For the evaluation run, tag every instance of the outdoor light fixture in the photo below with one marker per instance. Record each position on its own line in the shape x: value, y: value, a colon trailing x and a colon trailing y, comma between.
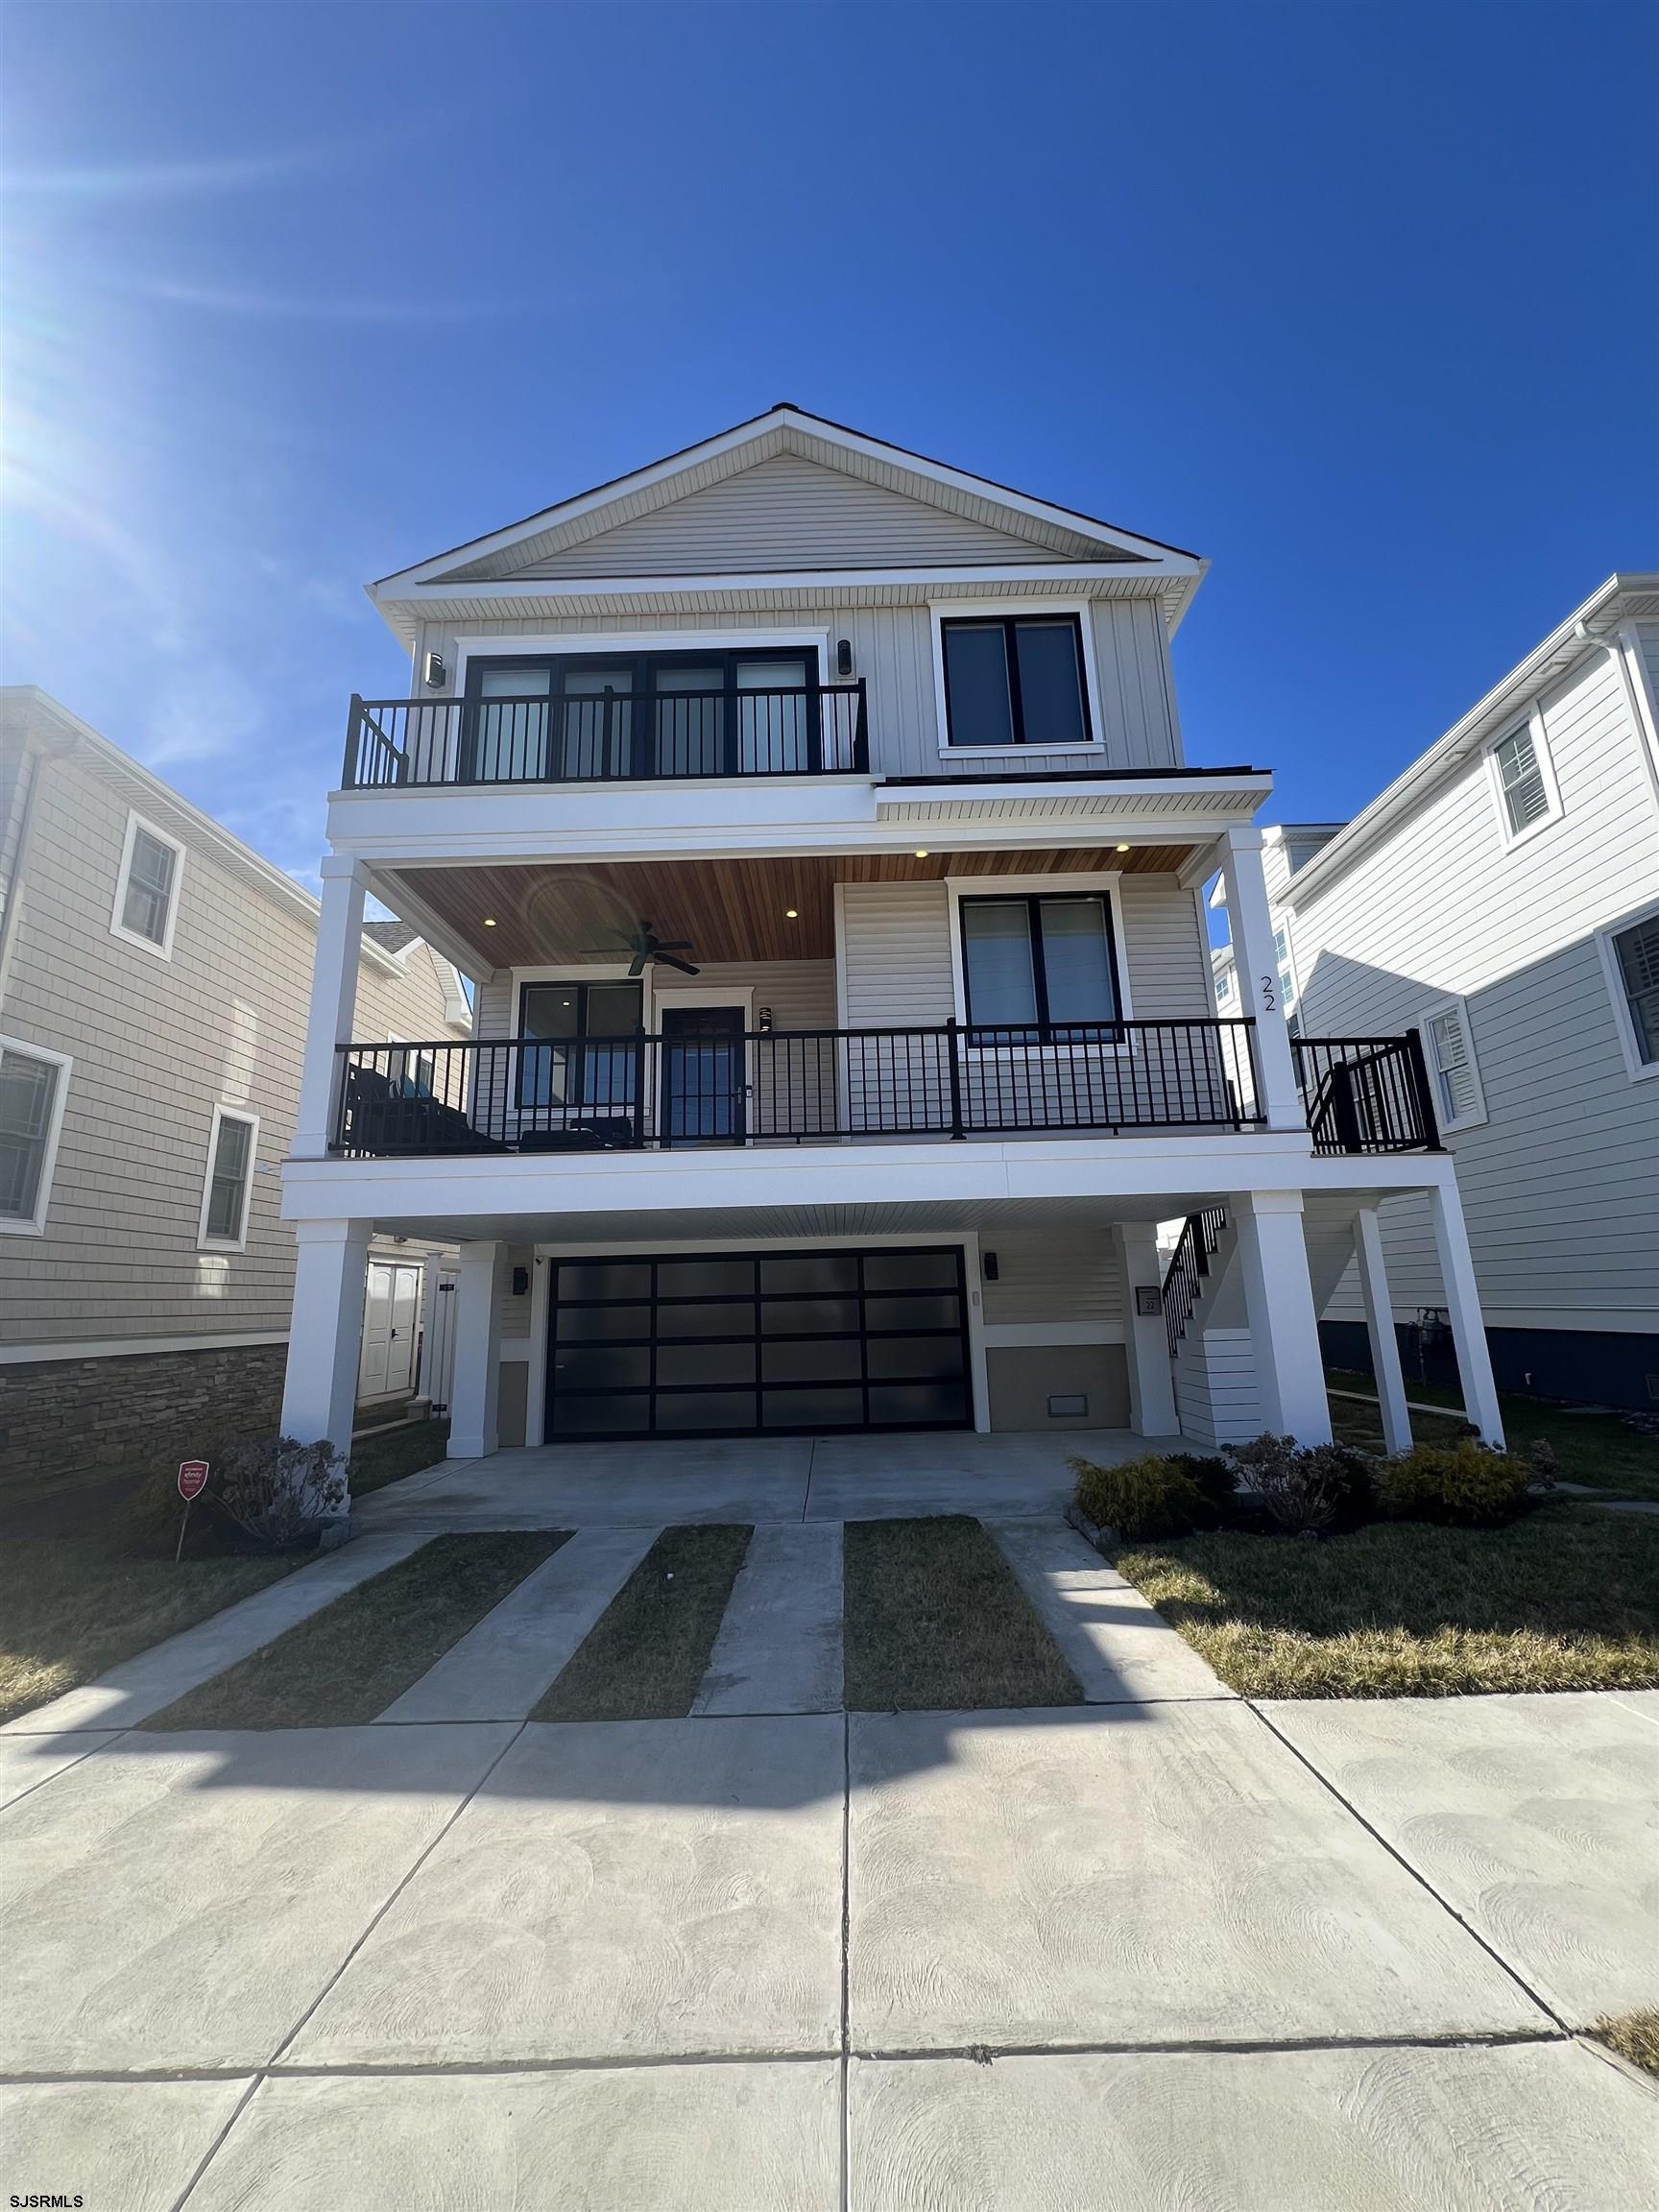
x: 791, y: 913
x: 920, y: 852
x: 763, y: 1019
x: 844, y: 656
x: 435, y: 673
x: 489, y: 920
x: 988, y: 1265
x: 1122, y: 848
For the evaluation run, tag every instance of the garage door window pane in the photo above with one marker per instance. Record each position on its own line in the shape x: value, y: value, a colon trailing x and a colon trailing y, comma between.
x: 678, y: 1410
x: 920, y: 1401
x: 809, y: 1316
x: 910, y: 1272
x: 606, y: 1279
x: 830, y: 1273
x: 578, y: 1417
x: 914, y: 1358
x: 736, y: 1319
x: 705, y: 1363
x: 704, y: 1278
x: 828, y: 1359
x: 811, y: 1409
x: 916, y: 1312
x: 601, y: 1324
x: 602, y: 1367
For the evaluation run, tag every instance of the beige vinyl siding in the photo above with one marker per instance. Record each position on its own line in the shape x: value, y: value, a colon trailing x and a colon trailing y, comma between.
x: 801, y: 993
x: 893, y: 652
x: 156, y: 1044
x: 782, y: 514
x: 1558, y: 1185
x: 896, y: 956
x: 1164, y: 952
x: 1067, y: 1275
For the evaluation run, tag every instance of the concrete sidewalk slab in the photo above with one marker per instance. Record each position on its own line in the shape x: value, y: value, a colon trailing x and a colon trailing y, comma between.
x: 27, y: 1760
x: 131, y: 2144
x: 1118, y: 1645
x: 621, y: 1889
x: 690, y: 2138
x: 1133, y: 1874
x: 779, y: 1649
x: 180, y: 1901
x: 1399, y: 2130
x: 140, y: 1687
x: 1535, y: 1817
x: 500, y: 1667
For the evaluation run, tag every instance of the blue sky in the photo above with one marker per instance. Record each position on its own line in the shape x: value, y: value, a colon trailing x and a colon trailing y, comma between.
x: 1358, y: 300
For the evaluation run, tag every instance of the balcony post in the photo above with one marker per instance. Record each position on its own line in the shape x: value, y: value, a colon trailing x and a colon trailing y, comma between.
x: 1279, y: 1306
x: 1250, y: 927
x: 474, y: 1392
x: 326, y: 1334
x: 952, y: 1038
x: 334, y: 1003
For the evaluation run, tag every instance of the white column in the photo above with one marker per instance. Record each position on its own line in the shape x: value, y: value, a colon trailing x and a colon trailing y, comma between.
x: 476, y: 1387
x: 1145, y: 1339
x: 1463, y: 1306
x: 333, y: 1002
x: 1250, y: 927
x: 1279, y: 1305
x: 1379, y: 1328
x: 326, y: 1336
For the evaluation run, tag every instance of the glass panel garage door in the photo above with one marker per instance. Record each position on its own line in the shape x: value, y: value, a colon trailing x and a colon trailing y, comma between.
x: 729, y: 1344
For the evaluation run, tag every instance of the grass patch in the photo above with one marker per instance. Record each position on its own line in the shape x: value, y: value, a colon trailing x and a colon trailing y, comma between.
x: 1635, y: 2037
x: 1598, y: 1448
x: 1567, y: 1598
x: 71, y: 1607
x: 935, y: 1620
x: 645, y: 1657
x: 350, y: 1659
x: 376, y: 1460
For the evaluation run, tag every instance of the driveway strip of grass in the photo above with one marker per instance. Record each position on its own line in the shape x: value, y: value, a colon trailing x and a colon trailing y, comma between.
x: 348, y: 1661
x: 935, y: 1620
x: 645, y: 1657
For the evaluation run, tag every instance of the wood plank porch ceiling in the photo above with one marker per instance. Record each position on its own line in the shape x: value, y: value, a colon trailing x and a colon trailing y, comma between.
x: 732, y: 910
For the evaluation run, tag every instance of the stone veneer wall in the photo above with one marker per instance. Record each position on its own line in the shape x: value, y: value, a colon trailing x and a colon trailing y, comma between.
x: 63, y: 1420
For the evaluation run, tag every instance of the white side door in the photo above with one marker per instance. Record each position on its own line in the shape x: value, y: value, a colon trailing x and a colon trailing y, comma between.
x: 405, y: 1325
x: 376, y: 1331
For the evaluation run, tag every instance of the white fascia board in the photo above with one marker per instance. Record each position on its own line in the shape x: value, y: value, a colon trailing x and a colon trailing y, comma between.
x: 827, y: 582
x: 1249, y: 789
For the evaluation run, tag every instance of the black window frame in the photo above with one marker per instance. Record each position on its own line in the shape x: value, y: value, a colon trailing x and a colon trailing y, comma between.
x: 577, y: 1102
x: 1009, y: 625
x: 642, y: 697
x: 1044, y: 1031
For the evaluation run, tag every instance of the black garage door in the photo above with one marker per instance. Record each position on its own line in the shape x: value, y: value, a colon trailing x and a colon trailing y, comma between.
x: 729, y: 1344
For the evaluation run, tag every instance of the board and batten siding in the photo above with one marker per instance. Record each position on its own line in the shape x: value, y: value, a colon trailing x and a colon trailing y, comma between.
x: 893, y: 652
x: 1558, y: 1185
x: 156, y: 1044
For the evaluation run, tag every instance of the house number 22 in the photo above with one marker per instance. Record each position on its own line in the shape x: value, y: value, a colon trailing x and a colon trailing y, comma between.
x: 1269, y: 997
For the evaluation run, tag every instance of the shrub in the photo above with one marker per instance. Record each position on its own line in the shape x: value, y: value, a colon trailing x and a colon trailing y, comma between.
x: 1464, y: 1484
x: 1215, y: 1481
x: 1545, y: 1462
x: 1306, y: 1487
x: 1140, y: 1498
x: 276, y: 1489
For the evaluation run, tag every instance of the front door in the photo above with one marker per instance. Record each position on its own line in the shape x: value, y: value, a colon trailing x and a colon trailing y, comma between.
x: 703, y: 1075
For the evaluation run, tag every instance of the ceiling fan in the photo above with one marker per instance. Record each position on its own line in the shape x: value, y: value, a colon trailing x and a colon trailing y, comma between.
x: 643, y: 945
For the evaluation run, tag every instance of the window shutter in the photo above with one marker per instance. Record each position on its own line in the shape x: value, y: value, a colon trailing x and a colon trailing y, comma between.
x: 1453, y: 1066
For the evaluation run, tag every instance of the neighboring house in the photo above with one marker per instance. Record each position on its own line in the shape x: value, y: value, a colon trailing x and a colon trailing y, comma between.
x: 816, y: 819
x: 154, y: 976
x: 1501, y: 898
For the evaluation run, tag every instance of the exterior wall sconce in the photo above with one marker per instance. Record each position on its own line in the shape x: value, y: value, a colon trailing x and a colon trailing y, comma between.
x: 987, y: 1267
x: 434, y: 673
x: 763, y: 1019
x: 521, y: 1282
x: 843, y: 657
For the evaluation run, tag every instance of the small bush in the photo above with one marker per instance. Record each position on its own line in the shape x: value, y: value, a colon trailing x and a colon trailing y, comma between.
x: 1215, y: 1481
x: 276, y: 1489
x: 1140, y: 1498
x: 1306, y: 1487
x: 1464, y: 1484
x: 1545, y: 1462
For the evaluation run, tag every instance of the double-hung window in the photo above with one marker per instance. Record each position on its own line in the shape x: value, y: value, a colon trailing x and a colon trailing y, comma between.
x: 1632, y: 954
x: 32, y: 1089
x: 146, y: 889
x: 577, y: 1047
x: 1015, y: 680
x: 1457, y: 1094
x: 230, y: 1154
x: 1524, y: 787
x: 1038, y: 969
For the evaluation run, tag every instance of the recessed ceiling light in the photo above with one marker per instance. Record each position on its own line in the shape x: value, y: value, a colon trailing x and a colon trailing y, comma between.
x: 1122, y: 848
x: 791, y: 913
x: 920, y: 852
x: 489, y: 920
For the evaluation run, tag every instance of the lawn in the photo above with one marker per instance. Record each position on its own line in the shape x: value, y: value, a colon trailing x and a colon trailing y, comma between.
x: 1565, y: 1599
x: 1596, y: 1449
x: 73, y: 1606
x: 346, y: 1663
x: 935, y: 1620
x: 645, y: 1657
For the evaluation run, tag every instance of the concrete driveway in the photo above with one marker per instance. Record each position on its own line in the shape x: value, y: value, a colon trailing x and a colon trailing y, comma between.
x: 1164, y: 1949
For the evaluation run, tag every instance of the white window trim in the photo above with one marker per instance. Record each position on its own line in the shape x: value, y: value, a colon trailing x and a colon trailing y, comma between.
x: 35, y: 1225
x: 1640, y: 1071
x: 1479, y: 1116
x: 1107, y: 886
x: 1533, y: 722
x: 239, y: 1242
x: 943, y: 611
x: 118, y: 928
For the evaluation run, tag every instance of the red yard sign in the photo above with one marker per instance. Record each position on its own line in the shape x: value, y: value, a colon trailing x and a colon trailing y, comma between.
x: 192, y: 1479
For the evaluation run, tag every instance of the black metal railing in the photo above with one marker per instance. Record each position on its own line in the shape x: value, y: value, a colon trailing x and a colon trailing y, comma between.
x: 715, y: 1085
x: 1366, y: 1093
x: 608, y: 736
x: 1189, y: 1265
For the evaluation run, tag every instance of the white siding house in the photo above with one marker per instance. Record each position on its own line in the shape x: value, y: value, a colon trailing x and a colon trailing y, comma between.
x: 818, y: 823
x: 1502, y: 898
x: 155, y: 974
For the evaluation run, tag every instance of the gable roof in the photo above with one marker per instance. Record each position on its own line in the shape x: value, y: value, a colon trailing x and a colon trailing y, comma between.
x: 915, y: 512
